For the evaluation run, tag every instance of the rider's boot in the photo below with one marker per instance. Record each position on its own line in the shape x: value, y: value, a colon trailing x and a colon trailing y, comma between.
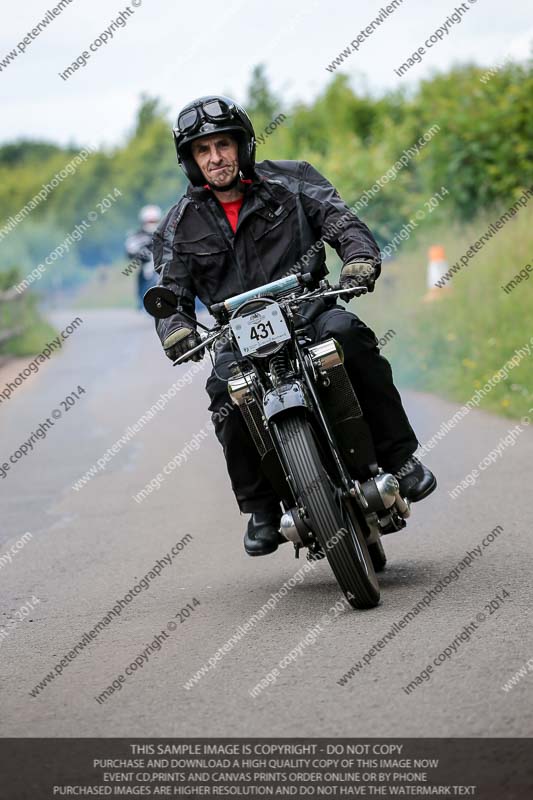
x: 262, y: 535
x: 416, y: 480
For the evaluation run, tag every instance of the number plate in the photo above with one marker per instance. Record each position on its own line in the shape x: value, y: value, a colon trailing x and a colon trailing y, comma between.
x: 253, y: 331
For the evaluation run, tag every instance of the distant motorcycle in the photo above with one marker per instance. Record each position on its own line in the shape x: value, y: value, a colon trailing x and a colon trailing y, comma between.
x: 306, y: 422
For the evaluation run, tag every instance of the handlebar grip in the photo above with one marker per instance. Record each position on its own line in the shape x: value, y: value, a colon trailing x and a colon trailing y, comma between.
x: 186, y: 356
x: 306, y: 278
x: 200, y: 347
x: 217, y: 310
x: 314, y: 308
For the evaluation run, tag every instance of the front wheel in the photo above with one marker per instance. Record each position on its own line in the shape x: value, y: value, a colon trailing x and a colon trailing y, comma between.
x: 377, y: 554
x: 331, y: 519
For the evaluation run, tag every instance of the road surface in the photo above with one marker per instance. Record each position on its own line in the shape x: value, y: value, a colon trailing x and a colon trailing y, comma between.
x: 90, y: 547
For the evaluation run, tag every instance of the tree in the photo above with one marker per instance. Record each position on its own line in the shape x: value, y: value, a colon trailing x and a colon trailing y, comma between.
x: 261, y: 103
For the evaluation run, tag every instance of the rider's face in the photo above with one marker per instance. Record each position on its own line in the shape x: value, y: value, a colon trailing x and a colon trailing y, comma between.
x: 217, y: 157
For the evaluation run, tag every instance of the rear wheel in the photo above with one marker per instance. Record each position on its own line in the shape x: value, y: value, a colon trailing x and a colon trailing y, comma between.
x: 331, y: 519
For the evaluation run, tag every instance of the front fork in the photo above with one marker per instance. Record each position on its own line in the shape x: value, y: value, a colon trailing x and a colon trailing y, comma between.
x: 300, y: 393
x: 377, y: 501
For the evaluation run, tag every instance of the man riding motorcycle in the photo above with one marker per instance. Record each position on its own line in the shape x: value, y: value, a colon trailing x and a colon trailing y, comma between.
x: 241, y: 225
x: 138, y: 247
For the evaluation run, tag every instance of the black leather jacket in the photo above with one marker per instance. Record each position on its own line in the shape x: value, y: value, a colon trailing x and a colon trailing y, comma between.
x: 288, y: 208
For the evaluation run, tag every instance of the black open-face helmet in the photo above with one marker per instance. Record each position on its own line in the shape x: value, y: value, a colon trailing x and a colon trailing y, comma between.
x: 213, y: 114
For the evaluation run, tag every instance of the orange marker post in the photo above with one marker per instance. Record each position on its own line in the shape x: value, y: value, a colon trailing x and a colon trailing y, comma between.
x: 436, y: 269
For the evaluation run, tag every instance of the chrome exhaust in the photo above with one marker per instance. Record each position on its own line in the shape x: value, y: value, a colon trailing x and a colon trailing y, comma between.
x: 388, y: 488
x: 382, y: 493
x: 403, y: 506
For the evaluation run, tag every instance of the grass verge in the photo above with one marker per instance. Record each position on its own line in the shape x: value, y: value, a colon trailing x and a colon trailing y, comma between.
x: 453, y: 345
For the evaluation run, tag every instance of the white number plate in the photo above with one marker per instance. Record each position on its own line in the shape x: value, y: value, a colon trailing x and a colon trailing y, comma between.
x: 260, y: 328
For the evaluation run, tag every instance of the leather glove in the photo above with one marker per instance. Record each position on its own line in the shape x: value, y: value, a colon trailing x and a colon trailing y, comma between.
x: 179, y: 341
x: 358, y: 273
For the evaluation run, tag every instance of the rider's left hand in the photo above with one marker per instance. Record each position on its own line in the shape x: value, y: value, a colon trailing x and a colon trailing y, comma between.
x: 358, y: 273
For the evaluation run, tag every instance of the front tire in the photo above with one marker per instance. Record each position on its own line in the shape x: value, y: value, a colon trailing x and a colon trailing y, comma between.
x: 377, y: 554
x: 328, y: 514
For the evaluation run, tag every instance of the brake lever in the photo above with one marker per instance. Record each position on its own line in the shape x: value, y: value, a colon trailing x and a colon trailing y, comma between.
x: 202, y: 346
x: 192, y: 319
x: 355, y: 291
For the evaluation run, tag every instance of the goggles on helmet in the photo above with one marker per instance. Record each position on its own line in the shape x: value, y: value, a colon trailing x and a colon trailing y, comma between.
x: 212, y: 110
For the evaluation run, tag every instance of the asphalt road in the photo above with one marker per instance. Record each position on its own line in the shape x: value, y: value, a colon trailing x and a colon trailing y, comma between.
x: 90, y: 547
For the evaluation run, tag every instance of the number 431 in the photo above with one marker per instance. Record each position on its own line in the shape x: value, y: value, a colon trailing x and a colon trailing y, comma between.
x: 260, y: 331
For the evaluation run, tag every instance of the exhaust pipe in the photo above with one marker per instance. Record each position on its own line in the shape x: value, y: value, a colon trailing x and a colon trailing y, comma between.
x: 382, y: 493
x: 404, y: 509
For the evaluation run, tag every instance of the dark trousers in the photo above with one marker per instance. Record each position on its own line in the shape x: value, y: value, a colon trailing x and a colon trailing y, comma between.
x: 371, y: 376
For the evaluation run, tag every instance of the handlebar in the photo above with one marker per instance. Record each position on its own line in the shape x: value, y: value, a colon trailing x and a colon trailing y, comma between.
x: 282, y: 285
x: 275, y: 287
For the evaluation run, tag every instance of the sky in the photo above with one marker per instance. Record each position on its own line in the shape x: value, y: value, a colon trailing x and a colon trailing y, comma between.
x: 178, y: 50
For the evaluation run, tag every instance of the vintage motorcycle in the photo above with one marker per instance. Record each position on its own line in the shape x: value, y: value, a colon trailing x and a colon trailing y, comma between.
x: 306, y: 422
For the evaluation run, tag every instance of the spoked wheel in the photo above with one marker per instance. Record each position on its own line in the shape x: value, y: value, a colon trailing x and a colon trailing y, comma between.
x: 333, y: 522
